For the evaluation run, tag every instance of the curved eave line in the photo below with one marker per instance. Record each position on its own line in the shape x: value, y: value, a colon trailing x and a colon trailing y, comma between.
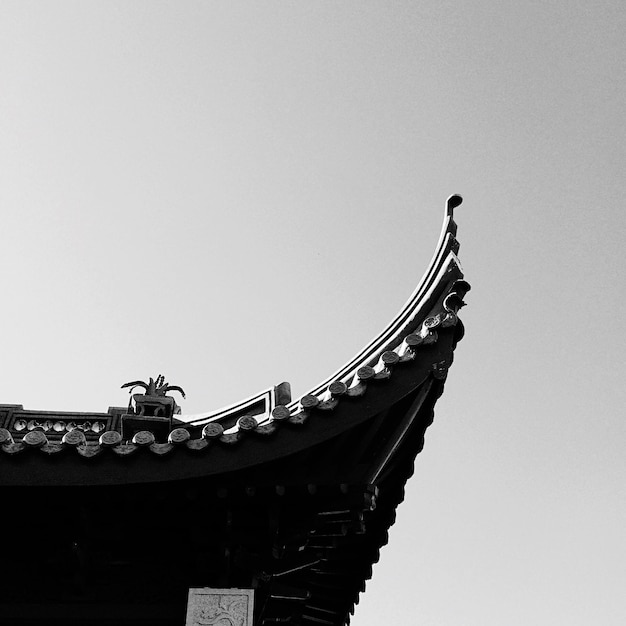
x: 415, y: 309
x: 34, y: 461
x: 422, y: 336
x: 443, y: 260
x: 392, y: 335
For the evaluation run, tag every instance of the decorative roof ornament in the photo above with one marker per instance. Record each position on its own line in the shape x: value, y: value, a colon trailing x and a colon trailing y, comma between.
x: 154, y: 388
x: 153, y: 410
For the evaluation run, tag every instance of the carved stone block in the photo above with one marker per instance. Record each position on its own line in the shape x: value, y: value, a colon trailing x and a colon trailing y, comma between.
x: 220, y: 607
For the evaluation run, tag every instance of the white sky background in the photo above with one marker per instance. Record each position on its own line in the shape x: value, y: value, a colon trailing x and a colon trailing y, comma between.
x: 236, y: 194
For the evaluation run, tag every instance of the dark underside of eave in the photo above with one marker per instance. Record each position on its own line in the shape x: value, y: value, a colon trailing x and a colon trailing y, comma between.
x: 128, y: 554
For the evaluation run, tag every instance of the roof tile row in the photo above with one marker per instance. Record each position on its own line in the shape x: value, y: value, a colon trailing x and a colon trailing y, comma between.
x: 248, y: 425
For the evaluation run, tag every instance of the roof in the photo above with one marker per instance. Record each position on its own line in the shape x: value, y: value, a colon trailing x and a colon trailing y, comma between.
x: 410, y: 349
x: 293, y: 498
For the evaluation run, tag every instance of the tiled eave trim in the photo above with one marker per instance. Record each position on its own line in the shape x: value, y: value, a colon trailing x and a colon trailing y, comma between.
x: 399, y: 344
x: 366, y: 376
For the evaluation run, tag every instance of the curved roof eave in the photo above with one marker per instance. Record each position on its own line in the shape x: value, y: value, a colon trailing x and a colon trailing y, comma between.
x: 416, y: 345
x: 443, y: 260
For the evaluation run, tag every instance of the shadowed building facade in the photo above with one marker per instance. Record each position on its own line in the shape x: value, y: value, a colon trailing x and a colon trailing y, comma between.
x: 271, y: 511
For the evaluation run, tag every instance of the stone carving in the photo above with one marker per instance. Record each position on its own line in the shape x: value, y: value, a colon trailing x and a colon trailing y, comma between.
x: 220, y: 607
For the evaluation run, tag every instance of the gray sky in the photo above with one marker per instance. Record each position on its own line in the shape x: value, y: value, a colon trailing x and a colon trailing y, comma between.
x: 236, y: 194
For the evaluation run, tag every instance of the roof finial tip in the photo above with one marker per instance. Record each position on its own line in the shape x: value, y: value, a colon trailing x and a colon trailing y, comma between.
x: 454, y: 201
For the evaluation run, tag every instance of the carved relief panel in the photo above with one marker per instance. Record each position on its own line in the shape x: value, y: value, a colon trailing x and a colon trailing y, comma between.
x: 220, y: 607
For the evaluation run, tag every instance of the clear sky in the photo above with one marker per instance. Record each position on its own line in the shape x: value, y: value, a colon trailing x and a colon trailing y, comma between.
x: 240, y: 193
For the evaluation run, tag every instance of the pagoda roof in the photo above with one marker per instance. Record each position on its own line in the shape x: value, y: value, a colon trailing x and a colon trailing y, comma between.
x: 50, y: 447
x: 293, y: 498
